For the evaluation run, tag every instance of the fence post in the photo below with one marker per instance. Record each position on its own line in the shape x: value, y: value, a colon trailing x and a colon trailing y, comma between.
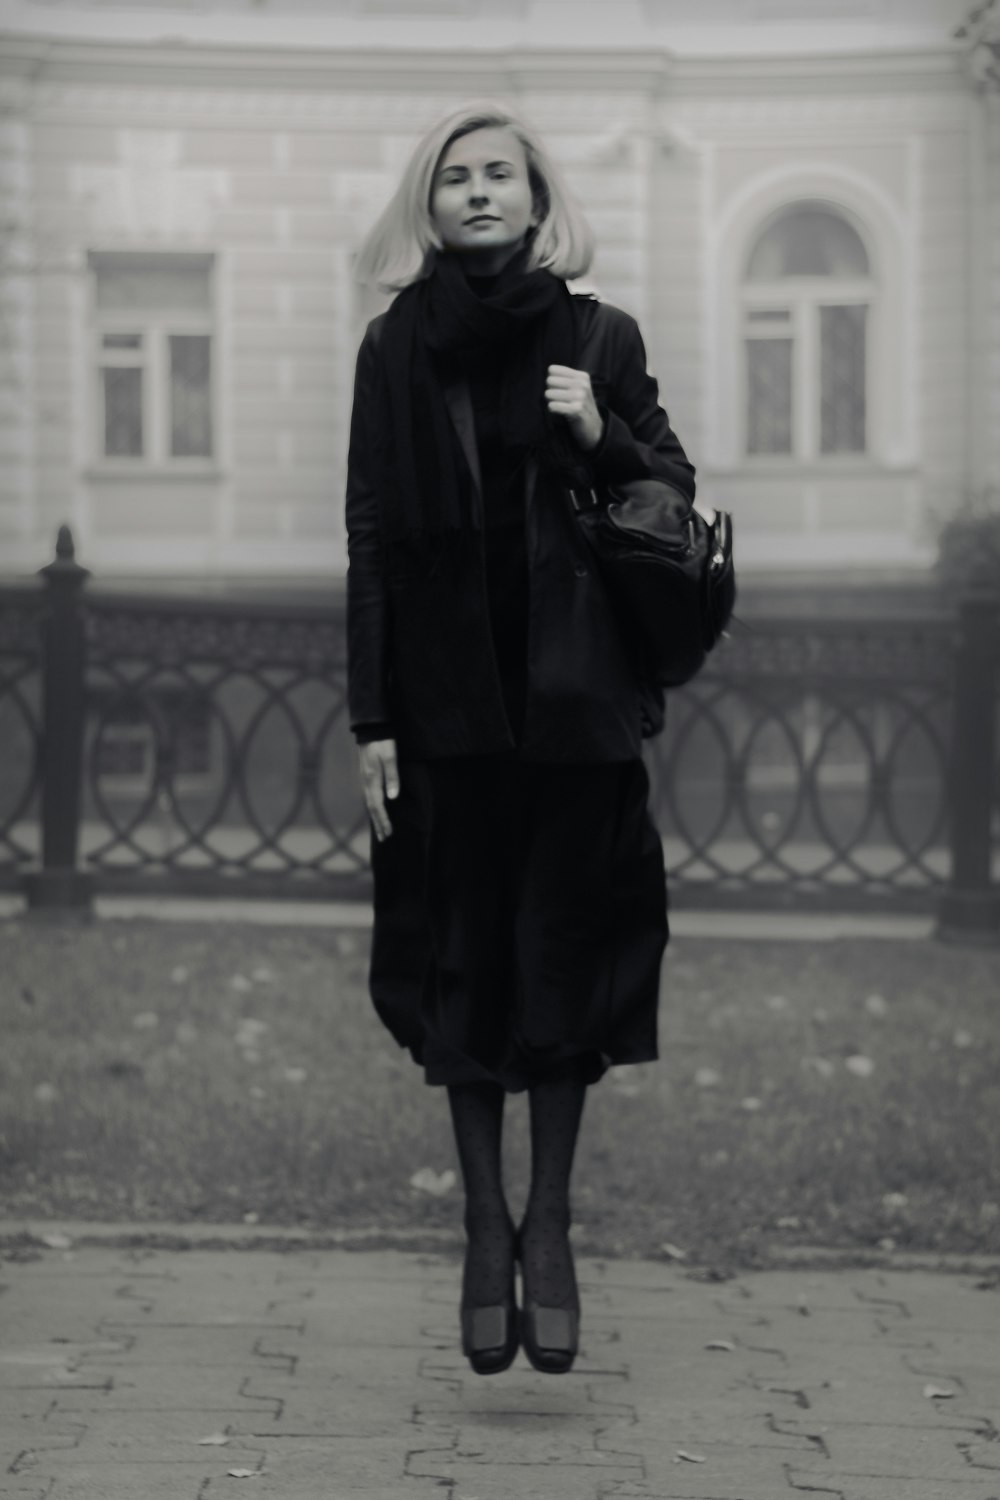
x: 59, y: 883
x: 970, y: 907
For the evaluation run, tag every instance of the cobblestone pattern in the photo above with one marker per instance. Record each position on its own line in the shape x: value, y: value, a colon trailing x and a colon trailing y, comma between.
x: 338, y: 1375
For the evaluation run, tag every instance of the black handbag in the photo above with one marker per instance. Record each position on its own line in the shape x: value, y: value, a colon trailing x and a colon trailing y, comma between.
x: 669, y: 572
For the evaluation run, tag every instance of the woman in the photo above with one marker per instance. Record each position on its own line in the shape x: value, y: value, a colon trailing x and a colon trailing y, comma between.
x: 520, y: 902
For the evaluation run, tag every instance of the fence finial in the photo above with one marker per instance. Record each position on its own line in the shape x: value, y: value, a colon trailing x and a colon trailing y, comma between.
x: 65, y: 548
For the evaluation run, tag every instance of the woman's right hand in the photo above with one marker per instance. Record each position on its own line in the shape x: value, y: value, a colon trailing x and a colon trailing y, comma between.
x: 380, y: 779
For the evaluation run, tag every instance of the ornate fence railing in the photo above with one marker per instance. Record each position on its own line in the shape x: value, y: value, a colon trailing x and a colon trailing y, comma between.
x: 155, y: 744
x: 22, y: 612
x: 810, y: 763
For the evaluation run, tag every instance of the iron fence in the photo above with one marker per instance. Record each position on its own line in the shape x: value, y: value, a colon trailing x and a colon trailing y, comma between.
x: 165, y: 744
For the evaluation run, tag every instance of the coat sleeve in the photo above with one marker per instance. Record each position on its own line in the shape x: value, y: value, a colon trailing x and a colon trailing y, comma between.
x: 638, y: 440
x: 367, y: 599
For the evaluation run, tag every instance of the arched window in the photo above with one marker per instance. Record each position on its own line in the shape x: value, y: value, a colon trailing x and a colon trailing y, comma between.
x: 807, y: 295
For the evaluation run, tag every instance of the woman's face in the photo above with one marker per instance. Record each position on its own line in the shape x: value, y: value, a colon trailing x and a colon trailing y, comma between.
x: 481, y: 199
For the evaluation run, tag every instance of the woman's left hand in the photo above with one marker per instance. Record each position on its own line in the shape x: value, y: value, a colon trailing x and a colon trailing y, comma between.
x: 568, y: 394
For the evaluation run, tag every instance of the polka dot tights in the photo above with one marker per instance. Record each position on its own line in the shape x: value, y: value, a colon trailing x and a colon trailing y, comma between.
x: 555, y: 1107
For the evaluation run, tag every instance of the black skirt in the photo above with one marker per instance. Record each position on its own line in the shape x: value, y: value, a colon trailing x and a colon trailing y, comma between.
x: 520, y: 919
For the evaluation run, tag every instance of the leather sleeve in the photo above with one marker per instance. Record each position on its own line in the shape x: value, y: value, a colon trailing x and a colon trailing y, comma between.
x: 367, y: 599
x: 638, y: 441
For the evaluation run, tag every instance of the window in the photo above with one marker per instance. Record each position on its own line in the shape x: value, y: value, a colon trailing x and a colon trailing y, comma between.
x: 169, y: 724
x: 154, y: 377
x: 807, y: 295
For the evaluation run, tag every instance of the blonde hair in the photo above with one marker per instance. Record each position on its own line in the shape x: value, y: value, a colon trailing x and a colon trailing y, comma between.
x: 402, y: 244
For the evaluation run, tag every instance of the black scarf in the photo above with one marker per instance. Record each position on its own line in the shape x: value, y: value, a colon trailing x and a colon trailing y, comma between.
x: 434, y: 327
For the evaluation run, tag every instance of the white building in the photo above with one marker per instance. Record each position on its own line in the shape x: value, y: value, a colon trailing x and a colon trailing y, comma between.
x: 803, y: 213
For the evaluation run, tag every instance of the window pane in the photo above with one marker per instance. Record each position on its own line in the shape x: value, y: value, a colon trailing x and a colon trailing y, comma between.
x: 122, y: 412
x: 808, y: 240
x: 190, y: 402
x: 188, y: 720
x: 769, y: 386
x: 128, y: 282
x: 842, y: 379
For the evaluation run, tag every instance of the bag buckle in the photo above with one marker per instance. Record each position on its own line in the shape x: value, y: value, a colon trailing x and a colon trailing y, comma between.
x: 592, y: 502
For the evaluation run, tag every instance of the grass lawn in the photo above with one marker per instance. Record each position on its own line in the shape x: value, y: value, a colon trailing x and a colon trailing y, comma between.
x: 838, y: 1094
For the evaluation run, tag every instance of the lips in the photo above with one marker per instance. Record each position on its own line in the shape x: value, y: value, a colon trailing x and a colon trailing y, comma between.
x: 483, y: 219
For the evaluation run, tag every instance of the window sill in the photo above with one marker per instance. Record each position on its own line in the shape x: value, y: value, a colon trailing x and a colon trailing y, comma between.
x: 791, y: 468
x: 155, y: 472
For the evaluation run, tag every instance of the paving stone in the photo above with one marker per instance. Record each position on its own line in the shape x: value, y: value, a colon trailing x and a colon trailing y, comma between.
x: 859, y: 1487
x: 126, y: 1482
x: 877, y: 1451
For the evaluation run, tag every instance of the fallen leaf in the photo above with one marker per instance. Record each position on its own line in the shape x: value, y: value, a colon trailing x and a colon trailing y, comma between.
x: 690, y: 1458
x: 240, y: 983
x: 876, y: 1005
x: 891, y: 1202
x: 146, y: 1020
x: 436, y: 1183
x: 861, y: 1067
x: 242, y: 1473
x: 56, y: 1241
x: 938, y: 1393
x: 262, y: 975
x: 776, y: 1002
x: 186, y: 1032
x: 707, y: 1078
x: 214, y: 1440
x: 821, y: 1065
x: 296, y: 1075
x: 179, y: 974
x: 989, y: 1212
x: 251, y: 1055
x: 46, y: 1093
x: 251, y: 1218
x: 249, y: 1032
x: 963, y: 1038
x: 256, y: 1092
x: 887, y: 1243
x: 789, y: 1221
x: 673, y: 1252
x: 723, y: 1344
x: 751, y: 1104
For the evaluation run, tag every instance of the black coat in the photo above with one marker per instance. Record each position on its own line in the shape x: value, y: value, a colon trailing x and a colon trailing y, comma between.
x: 420, y: 653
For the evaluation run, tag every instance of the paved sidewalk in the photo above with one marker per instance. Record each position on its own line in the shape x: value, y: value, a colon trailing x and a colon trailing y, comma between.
x: 337, y: 1373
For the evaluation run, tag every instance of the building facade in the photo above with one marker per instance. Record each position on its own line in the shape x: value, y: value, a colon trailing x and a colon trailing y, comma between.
x: 803, y: 214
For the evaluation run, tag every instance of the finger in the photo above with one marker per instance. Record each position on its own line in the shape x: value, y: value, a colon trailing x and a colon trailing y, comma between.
x: 560, y: 384
x: 379, y: 817
x: 566, y: 370
x: 390, y: 770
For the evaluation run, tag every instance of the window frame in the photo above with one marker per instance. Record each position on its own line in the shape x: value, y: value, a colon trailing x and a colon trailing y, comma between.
x: 802, y: 297
x: 155, y: 327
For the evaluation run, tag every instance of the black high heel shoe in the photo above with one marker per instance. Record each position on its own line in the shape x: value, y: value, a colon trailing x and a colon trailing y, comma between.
x: 550, y: 1336
x: 491, y: 1335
